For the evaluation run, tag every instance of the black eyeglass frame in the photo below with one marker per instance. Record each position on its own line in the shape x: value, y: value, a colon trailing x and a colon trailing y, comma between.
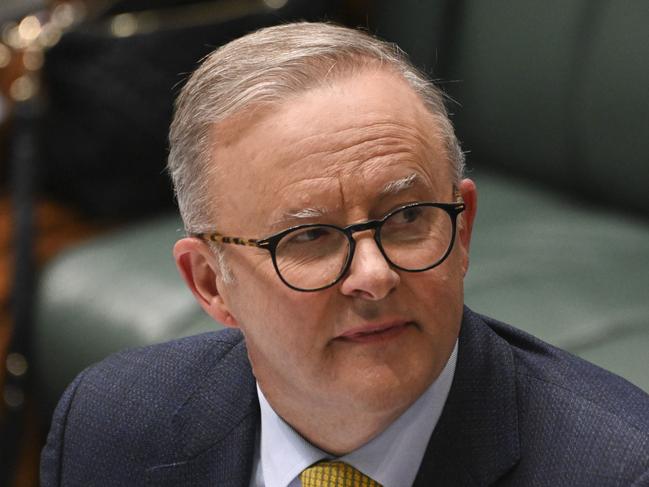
x: 271, y: 242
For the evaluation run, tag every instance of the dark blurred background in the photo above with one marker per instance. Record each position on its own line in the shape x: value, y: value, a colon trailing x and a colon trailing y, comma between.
x: 550, y: 101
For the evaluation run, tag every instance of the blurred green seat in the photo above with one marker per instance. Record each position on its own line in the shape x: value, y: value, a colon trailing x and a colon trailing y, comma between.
x: 573, y: 275
x: 118, y: 291
x: 554, y: 108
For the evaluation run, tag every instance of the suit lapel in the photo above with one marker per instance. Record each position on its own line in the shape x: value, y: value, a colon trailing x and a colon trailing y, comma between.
x: 476, y: 439
x: 214, y: 432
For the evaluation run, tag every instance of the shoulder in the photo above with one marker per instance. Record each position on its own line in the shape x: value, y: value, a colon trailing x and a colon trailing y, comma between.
x: 124, y: 406
x: 165, y: 365
x: 571, y: 411
x: 160, y: 376
x: 543, y: 367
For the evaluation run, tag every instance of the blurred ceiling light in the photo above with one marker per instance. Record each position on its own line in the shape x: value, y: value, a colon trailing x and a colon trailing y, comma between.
x: 11, y: 36
x: 51, y: 35
x: 5, y: 56
x: 13, y: 397
x: 276, y: 4
x: 23, y: 88
x: 66, y: 14
x: 124, y: 25
x: 33, y: 59
x: 29, y: 28
x: 16, y: 364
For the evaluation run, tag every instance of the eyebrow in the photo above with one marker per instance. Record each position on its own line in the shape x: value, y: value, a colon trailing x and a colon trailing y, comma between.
x: 305, y: 213
x: 299, y: 214
x: 399, y: 185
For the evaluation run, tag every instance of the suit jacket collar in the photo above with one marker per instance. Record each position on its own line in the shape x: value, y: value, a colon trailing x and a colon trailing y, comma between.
x: 213, y: 434
x: 476, y: 440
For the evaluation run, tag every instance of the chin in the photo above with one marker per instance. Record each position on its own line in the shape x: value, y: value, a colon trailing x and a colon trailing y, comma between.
x: 387, y: 393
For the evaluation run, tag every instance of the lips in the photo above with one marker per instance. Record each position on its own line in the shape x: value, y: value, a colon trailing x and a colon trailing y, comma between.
x: 374, y: 332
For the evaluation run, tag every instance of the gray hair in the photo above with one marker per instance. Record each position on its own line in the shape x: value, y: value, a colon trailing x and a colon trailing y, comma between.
x: 269, y: 66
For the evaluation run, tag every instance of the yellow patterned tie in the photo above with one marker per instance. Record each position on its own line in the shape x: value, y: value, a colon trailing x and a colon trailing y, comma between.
x: 335, y: 474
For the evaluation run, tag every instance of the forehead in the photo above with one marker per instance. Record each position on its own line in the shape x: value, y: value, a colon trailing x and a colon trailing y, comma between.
x: 333, y: 145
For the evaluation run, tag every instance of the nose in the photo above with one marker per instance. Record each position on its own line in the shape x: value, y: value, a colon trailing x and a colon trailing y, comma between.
x: 369, y: 276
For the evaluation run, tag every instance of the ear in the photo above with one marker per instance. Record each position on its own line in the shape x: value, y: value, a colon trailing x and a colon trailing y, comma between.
x: 469, y: 194
x: 198, y: 267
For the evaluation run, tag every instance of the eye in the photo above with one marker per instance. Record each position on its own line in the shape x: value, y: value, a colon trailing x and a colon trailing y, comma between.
x: 308, y: 235
x: 407, y: 215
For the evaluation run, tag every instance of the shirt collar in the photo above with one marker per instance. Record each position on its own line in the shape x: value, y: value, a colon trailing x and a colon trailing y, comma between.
x: 392, y: 458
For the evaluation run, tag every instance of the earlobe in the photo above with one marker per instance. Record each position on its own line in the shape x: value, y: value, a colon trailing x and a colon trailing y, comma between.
x: 198, y: 267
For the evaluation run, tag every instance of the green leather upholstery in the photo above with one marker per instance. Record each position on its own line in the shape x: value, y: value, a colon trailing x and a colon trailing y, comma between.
x: 556, y: 91
x: 612, y: 115
x: 575, y: 276
x: 118, y: 291
x: 514, y: 63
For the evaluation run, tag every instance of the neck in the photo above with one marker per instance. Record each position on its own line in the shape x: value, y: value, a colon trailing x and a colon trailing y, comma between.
x: 337, y: 429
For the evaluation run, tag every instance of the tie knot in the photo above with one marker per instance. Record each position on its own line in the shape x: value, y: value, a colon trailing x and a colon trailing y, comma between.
x: 335, y: 474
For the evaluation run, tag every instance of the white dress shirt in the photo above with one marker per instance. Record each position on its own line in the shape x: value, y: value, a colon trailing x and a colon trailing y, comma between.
x: 392, y: 458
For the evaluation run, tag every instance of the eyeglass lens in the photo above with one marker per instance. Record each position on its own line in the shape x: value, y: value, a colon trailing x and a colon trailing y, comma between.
x: 414, y: 238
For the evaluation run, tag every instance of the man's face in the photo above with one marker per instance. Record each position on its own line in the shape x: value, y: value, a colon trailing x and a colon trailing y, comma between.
x: 343, y: 153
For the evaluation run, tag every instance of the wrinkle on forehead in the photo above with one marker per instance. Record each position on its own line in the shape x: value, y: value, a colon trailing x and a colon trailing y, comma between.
x: 342, y: 150
x: 336, y: 192
x: 353, y: 133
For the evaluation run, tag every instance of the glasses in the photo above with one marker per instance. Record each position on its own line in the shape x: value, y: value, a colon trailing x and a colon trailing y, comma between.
x: 415, y: 237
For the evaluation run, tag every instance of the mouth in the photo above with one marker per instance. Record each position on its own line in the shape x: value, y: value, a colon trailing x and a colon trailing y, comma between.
x: 375, y: 332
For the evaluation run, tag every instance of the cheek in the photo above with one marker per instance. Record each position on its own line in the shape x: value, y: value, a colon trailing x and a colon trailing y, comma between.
x: 273, y: 316
x: 441, y: 289
x: 286, y: 337
x: 456, y: 263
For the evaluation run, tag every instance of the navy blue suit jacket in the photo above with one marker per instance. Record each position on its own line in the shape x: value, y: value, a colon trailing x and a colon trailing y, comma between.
x: 519, y: 413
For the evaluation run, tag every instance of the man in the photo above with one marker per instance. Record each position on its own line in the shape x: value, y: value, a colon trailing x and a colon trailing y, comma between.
x: 329, y: 225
